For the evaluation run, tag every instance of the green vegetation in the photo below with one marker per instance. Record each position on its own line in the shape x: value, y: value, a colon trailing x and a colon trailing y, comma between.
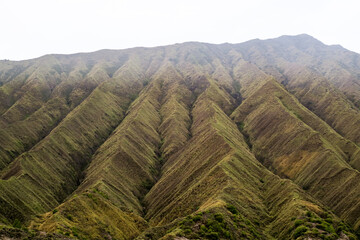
x: 24, y: 233
x: 17, y: 223
x: 232, y: 209
x: 245, y: 141
x: 304, y: 145
x: 208, y: 226
x: 315, y: 226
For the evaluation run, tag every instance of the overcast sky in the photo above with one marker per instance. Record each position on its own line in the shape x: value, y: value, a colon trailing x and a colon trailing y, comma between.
x: 32, y: 28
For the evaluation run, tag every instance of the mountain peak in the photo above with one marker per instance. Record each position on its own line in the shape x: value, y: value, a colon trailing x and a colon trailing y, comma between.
x: 304, y: 40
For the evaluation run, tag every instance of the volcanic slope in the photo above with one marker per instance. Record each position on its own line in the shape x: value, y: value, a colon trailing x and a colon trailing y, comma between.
x: 258, y: 140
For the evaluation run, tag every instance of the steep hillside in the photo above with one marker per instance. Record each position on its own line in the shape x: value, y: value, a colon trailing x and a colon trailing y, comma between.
x: 258, y: 140
x: 284, y: 138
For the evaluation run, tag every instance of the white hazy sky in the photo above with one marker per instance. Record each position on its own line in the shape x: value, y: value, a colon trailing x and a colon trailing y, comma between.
x: 31, y: 28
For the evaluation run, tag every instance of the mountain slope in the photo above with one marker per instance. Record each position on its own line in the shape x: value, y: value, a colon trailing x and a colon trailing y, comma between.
x: 299, y: 152
x: 258, y: 140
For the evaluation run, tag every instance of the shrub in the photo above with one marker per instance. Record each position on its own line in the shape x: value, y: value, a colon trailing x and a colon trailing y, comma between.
x: 299, y: 231
x: 147, y: 185
x: 149, y: 235
x: 146, y: 82
x: 240, y: 125
x: 333, y: 236
x: 321, y: 226
x: 243, y: 234
x: 104, y: 195
x: 203, y: 228
x: 298, y: 222
x: 253, y: 231
x: 75, y: 231
x: 133, y: 97
x: 218, y: 217
x: 308, y: 224
x: 227, y: 234
x: 339, y: 229
x: 351, y: 237
x: 215, y: 226
x: 187, y: 231
x: 315, y: 231
x: 330, y: 229
x: 232, y: 209
x: 212, y: 235
x: 186, y: 223
x: 329, y: 220
x: 17, y: 223
x: 315, y: 220
x: 194, y: 236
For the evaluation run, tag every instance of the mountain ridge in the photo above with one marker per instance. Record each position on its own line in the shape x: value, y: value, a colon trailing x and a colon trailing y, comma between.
x: 188, y: 140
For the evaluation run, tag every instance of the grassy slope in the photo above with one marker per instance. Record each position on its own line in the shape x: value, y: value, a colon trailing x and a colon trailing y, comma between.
x: 338, y: 65
x: 20, y: 136
x: 302, y: 71
x: 325, y: 59
x: 66, y: 82
x: 35, y: 89
x: 13, y: 76
x: 215, y: 172
x: 119, y: 175
x: 126, y: 165
x: 52, y: 168
x: 176, y: 102
x: 320, y: 96
x: 288, y: 139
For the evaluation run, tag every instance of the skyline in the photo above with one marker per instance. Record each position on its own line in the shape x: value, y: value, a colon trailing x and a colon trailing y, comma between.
x: 43, y: 27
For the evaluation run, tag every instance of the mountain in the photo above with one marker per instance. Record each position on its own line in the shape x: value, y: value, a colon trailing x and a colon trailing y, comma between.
x: 257, y: 140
